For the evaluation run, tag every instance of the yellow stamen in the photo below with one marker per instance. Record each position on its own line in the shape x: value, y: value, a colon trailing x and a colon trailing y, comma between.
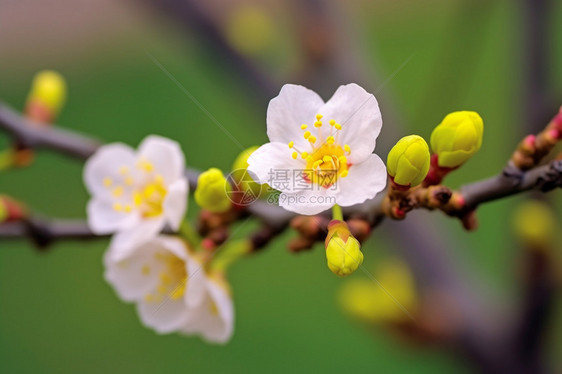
x: 306, y: 134
x: 342, y: 159
x: 304, y: 155
x: 319, y: 117
x: 213, y: 308
x: 145, y: 270
x: 145, y: 166
x: 295, y: 155
x: 318, y: 124
x: 332, y: 122
x: 304, y: 127
x: 123, y: 170
x: 344, y: 174
x: 330, y: 140
x: 337, y: 126
x: 117, y: 191
x: 107, y: 181
x: 316, y: 164
x: 129, y: 181
x: 347, y: 148
x: 291, y: 144
x: 117, y: 207
x: 128, y: 208
x: 312, y: 139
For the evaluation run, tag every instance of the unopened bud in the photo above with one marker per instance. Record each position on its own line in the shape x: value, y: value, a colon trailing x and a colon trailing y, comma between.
x: 242, y: 178
x: 212, y: 191
x: 408, y: 161
x: 343, y: 251
x: 47, y: 94
x: 535, y: 224
x: 362, y: 299
x: 457, y: 138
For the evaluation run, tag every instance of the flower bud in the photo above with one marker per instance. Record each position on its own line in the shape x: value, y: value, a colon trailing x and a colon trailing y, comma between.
x: 362, y: 299
x: 242, y: 178
x: 534, y: 224
x: 408, y: 161
x: 212, y: 191
x: 343, y: 251
x: 457, y: 138
x: 48, y: 92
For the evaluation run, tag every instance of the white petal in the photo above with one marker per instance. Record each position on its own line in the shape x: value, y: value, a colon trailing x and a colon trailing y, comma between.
x: 308, y: 202
x: 165, y: 155
x: 164, y: 317
x: 175, y: 203
x: 272, y: 164
x: 295, y: 105
x: 196, y: 283
x: 359, y: 114
x: 363, y: 182
x: 104, y: 219
x: 124, y: 242
x: 105, y: 163
x: 214, y: 318
x: 134, y: 276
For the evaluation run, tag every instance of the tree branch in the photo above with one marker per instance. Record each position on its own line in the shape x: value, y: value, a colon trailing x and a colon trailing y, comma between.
x: 48, y: 137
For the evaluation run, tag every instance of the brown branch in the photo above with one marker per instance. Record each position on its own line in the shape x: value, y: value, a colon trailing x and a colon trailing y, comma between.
x: 47, y: 137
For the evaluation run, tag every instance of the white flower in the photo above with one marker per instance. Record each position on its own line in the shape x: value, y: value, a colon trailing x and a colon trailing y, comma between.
x: 136, y: 193
x: 172, y: 291
x: 321, y: 154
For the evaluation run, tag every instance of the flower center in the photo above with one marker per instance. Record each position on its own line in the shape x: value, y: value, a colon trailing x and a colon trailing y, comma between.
x: 173, y: 279
x: 327, y: 161
x: 146, y: 197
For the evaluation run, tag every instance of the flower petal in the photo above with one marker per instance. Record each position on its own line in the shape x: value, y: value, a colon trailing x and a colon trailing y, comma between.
x: 175, y: 203
x: 164, y: 317
x: 103, y: 167
x: 165, y: 155
x: 126, y: 241
x: 272, y: 164
x: 363, y: 182
x: 309, y: 202
x: 135, y: 276
x: 359, y: 114
x: 214, y: 318
x: 295, y: 105
x: 104, y: 219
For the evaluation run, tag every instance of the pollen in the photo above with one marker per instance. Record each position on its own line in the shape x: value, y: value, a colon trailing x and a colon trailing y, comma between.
x: 117, y: 191
x: 318, y: 124
x: 145, y: 166
x: 295, y: 155
x: 304, y: 155
x: 332, y: 122
x: 213, y: 308
x: 312, y: 139
x: 337, y: 126
x: 330, y: 140
x: 291, y: 144
x: 306, y: 134
x: 304, y: 127
x: 319, y: 117
x: 347, y: 148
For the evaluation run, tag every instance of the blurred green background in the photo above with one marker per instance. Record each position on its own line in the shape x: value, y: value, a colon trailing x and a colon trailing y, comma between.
x: 57, y: 314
